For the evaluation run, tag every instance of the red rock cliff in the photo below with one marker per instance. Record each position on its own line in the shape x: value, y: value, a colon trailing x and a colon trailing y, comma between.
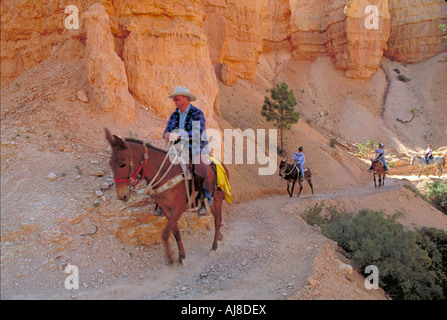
x: 163, y: 44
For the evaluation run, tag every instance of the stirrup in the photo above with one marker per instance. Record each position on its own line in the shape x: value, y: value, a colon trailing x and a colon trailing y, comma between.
x: 202, y: 212
x: 158, y: 212
x: 205, y: 209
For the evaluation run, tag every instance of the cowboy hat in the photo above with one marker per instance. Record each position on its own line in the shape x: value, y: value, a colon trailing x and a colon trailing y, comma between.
x: 181, y: 91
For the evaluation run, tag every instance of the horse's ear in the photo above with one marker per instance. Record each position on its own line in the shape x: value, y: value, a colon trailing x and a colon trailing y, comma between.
x: 114, y: 141
x: 119, y: 142
x: 108, y: 136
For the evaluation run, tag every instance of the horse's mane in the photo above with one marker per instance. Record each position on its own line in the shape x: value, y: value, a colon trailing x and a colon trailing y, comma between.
x: 146, y: 144
x: 287, y: 162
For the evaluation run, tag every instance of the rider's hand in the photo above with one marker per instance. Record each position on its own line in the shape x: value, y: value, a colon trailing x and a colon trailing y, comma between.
x: 166, y: 136
x: 173, y: 136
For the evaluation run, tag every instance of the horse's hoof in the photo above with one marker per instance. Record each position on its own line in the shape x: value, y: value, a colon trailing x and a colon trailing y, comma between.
x: 170, y: 261
x: 175, y: 264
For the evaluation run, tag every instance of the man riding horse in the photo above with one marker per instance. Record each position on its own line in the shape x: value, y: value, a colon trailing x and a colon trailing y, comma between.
x: 380, y: 155
x: 186, y: 122
x: 299, y: 159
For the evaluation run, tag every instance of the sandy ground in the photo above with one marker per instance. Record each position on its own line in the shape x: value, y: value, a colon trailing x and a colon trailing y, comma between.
x: 268, y: 252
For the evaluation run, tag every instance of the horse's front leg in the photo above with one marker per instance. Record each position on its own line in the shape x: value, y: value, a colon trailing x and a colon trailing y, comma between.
x: 217, y: 212
x: 301, y: 188
x: 375, y: 184
x: 293, y: 187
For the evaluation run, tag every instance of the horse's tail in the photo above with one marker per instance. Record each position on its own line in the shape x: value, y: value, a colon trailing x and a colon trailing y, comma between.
x: 443, y: 162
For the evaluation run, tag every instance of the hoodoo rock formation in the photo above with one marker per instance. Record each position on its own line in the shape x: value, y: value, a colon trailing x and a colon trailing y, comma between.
x: 106, y: 71
x: 162, y: 44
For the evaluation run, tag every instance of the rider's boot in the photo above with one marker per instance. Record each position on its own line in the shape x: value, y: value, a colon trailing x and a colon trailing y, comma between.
x: 157, y: 212
x: 202, y: 211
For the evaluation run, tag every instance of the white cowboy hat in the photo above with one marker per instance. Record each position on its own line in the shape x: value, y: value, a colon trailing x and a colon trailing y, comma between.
x: 181, y: 91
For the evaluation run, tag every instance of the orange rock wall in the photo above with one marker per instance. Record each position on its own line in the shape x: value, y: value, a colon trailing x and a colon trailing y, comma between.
x: 164, y: 46
x: 415, y: 34
x: 168, y: 43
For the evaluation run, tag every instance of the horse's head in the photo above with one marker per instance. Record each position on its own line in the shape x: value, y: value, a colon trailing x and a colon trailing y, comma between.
x: 282, y: 168
x: 120, y: 162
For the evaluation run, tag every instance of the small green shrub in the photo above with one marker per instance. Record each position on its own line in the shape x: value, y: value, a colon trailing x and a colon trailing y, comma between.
x: 412, y: 265
x: 367, y: 147
x: 437, y: 193
x: 434, y: 241
x: 333, y: 142
x: 312, y: 216
x: 403, y: 78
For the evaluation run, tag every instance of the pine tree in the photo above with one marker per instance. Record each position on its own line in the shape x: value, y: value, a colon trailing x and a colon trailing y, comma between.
x: 280, y: 109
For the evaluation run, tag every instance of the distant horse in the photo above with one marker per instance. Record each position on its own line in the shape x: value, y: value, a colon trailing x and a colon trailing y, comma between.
x: 133, y: 161
x: 291, y: 174
x: 438, y: 162
x: 378, y: 168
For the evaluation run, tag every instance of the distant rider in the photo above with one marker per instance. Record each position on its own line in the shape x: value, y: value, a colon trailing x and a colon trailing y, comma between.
x: 428, y: 154
x: 299, y: 159
x: 380, y: 154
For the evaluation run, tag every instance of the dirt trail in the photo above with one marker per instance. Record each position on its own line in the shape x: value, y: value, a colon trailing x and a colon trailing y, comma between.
x: 267, y: 253
x: 265, y: 250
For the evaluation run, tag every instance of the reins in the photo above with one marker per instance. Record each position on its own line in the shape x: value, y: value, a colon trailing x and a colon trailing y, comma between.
x: 172, y: 182
x: 291, y: 170
x: 156, y: 180
x: 151, y: 185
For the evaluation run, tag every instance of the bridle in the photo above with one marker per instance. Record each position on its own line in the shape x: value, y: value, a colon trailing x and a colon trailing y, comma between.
x: 135, y: 179
x: 284, y: 174
x: 139, y: 175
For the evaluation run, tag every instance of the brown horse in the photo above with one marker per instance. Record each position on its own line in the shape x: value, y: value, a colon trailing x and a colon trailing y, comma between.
x: 379, y: 169
x: 132, y: 161
x: 291, y: 174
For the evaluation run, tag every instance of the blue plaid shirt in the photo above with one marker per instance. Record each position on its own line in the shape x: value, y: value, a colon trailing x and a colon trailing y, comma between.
x: 195, y: 126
